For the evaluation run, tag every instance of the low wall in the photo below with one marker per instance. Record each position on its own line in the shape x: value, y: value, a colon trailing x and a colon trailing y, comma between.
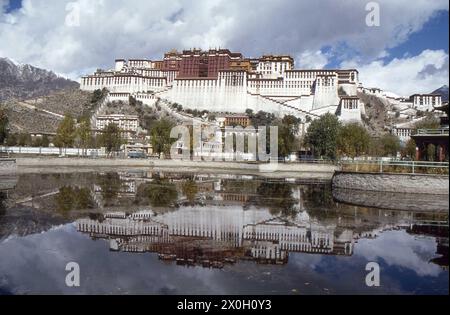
x: 288, y: 170
x: 389, y: 182
x: 7, y: 166
x: 391, y: 200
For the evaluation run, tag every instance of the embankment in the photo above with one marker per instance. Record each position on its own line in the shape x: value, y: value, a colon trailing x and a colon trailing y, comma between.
x: 395, y: 183
x: 281, y: 170
x: 7, y: 166
x: 392, y: 200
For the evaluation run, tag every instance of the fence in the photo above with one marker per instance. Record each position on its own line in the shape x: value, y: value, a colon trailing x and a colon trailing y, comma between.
x: 395, y: 166
x: 52, y: 151
x: 432, y: 132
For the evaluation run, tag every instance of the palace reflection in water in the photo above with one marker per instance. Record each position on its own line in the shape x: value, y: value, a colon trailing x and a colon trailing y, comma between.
x: 209, y: 221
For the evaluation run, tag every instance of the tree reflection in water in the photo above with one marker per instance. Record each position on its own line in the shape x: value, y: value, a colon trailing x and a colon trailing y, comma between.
x: 190, y: 190
x: 73, y: 198
x: 110, y: 185
x: 277, y: 197
x: 2, y: 203
x: 158, y: 193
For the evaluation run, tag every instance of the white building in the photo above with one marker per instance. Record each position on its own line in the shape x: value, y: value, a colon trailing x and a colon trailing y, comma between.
x: 267, y: 237
x: 402, y: 131
x: 426, y: 102
x: 274, y: 86
x: 127, y: 123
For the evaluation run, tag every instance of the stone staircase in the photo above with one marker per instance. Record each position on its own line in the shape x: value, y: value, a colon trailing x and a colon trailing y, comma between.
x: 290, y: 107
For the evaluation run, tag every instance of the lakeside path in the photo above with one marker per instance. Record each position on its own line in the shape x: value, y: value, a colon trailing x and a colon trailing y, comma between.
x: 281, y: 170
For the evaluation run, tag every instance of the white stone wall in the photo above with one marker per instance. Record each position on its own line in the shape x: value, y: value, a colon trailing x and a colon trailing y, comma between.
x: 232, y: 91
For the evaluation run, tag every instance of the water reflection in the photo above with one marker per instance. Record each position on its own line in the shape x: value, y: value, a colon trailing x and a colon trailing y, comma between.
x: 218, y: 221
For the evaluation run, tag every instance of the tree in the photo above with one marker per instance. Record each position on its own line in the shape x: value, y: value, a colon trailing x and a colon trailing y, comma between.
x: 430, y: 122
x: 322, y: 135
x: 160, y: 135
x: 409, y: 150
x: 287, y: 130
x: 3, y: 125
x: 111, y: 138
x: 97, y: 95
x: 65, y: 134
x: 261, y: 118
x: 353, y: 140
x: 84, y: 134
x: 11, y: 140
x: 431, y: 152
x: 45, y: 141
x: 390, y: 144
x: 24, y: 139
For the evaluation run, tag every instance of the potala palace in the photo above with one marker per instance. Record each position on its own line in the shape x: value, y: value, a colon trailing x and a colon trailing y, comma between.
x: 223, y: 81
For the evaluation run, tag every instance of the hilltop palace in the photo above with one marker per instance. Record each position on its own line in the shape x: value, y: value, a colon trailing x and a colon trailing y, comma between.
x: 223, y: 81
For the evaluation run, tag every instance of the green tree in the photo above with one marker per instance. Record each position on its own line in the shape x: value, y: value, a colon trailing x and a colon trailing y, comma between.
x: 3, y: 125
x: 353, y: 140
x: 98, y: 95
x: 429, y: 122
x: 390, y: 145
x: 431, y: 152
x: 287, y: 130
x: 65, y: 134
x: 322, y: 136
x: 84, y: 134
x: 409, y: 150
x: 160, y: 135
x: 159, y: 193
x: 261, y: 118
x: 190, y: 189
x: 24, y: 139
x: 111, y: 138
x: 11, y: 140
x: 45, y: 141
x: 110, y: 185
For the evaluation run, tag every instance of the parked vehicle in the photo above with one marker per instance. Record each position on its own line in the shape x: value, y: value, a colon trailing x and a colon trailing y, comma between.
x: 137, y: 155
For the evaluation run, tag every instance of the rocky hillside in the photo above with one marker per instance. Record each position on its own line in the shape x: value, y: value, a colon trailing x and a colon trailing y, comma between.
x: 25, y: 81
x: 376, y: 118
x: 43, y: 114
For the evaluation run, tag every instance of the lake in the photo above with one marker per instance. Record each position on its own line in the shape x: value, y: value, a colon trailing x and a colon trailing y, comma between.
x: 138, y: 232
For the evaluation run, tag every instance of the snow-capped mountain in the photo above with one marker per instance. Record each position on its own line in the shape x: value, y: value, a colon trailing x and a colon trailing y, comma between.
x: 26, y: 81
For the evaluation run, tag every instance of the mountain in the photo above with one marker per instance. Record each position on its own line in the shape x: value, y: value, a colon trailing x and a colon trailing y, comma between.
x: 26, y: 81
x: 443, y: 90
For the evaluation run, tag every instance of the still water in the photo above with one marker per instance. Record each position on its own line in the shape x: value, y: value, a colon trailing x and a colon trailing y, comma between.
x: 138, y: 232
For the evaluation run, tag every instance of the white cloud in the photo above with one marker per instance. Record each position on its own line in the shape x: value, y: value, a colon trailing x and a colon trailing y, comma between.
x: 403, y: 250
x: 405, y: 76
x: 38, y: 34
x: 311, y: 60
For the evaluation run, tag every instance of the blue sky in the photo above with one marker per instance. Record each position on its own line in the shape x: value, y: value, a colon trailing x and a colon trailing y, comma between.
x: 407, y: 53
x: 433, y: 36
x: 13, y: 5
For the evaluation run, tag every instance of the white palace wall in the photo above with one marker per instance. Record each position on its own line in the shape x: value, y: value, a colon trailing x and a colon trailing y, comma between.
x: 232, y: 91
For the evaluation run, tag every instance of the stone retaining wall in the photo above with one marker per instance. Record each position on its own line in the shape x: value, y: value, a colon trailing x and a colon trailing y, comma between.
x: 388, y: 182
x: 392, y: 200
x: 7, y: 166
x: 288, y: 170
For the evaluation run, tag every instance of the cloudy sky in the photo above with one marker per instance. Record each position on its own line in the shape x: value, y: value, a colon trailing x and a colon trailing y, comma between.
x: 406, y: 53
